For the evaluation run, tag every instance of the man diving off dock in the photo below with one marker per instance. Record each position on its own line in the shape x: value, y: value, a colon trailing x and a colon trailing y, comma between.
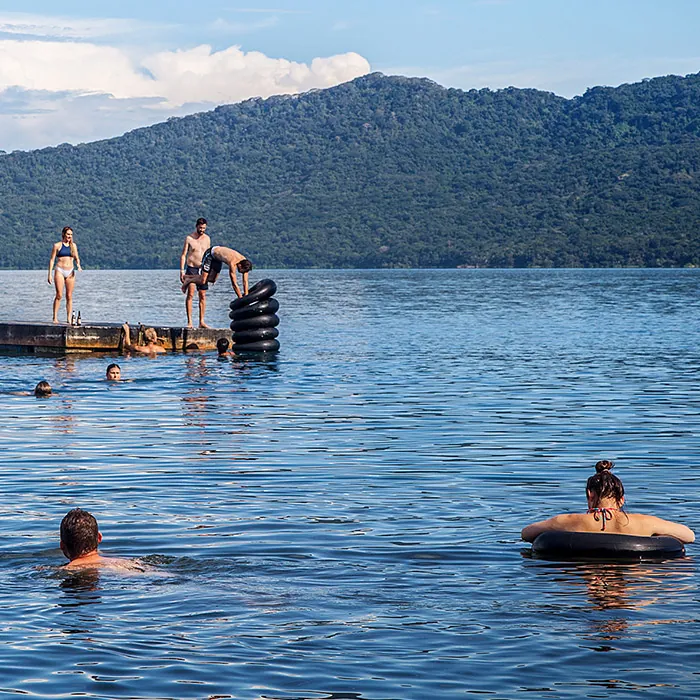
x: 212, y: 262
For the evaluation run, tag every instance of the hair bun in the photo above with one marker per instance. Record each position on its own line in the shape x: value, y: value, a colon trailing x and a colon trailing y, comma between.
x: 604, y: 465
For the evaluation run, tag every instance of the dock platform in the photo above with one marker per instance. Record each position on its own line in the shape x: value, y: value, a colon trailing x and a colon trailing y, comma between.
x: 50, y: 338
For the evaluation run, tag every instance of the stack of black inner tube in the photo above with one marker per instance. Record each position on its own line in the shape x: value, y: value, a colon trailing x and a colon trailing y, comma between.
x: 254, y: 321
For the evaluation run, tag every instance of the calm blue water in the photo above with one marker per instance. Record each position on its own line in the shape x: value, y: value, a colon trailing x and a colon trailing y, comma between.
x: 343, y: 521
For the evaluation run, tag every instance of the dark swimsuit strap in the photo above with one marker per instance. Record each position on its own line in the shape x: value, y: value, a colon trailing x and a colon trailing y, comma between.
x: 602, y: 514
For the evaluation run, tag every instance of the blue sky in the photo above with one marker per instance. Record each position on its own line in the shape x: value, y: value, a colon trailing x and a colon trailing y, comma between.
x: 74, y: 71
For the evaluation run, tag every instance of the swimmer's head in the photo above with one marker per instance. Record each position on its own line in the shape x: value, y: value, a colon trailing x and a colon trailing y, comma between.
x: 114, y: 372
x: 42, y: 389
x: 222, y: 345
x: 79, y: 533
x: 191, y: 347
x: 150, y: 335
x: 244, y: 265
x: 604, y: 485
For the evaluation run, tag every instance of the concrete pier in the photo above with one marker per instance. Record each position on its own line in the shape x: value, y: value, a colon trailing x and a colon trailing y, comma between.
x: 49, y: 338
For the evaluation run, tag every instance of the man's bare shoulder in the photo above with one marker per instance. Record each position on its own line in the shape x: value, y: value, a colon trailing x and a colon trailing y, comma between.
x: 109, y: 563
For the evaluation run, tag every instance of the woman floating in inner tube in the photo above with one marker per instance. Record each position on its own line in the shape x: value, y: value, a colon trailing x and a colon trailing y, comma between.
x: 606, y: 497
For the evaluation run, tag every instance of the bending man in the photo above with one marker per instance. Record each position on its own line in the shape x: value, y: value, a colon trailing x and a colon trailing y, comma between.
x: 212, y: 262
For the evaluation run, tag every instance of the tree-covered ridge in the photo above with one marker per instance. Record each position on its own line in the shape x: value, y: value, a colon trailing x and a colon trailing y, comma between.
x: 382, y: 171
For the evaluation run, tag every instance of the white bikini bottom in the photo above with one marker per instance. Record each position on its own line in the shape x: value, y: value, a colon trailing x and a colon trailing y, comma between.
x: 66, y: 273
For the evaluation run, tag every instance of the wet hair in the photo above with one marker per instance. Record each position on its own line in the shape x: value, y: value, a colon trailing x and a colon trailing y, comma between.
x: 244, y: 265
x: 201, y: 220
x: 604, y: 484
x: 192, y: 346
x: 150, y: 335
x: 42, y: 389
x: 79, y: 533
x: 222, y: 345
x: 114, y: 365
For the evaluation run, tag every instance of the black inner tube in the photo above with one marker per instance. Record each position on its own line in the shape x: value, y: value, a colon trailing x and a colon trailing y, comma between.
x: 261, y: 290
x: 264, y: 306
x: 263, y: 321
x: 270, y: 345
x: 254, y: 334
x: 563, y: 545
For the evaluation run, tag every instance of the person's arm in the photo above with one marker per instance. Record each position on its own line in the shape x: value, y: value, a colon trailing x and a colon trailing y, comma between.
x: 245, y: 283
x: 558, y: 522
x: 234, y: 281
x: 127, y: 336
x: 54, y: 250
x: 183, y: 259
x: 128, y: 346
x: 77, y: 257
x: 671, y: 529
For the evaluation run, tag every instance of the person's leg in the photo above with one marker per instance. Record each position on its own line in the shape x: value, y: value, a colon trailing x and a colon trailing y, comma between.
x: 59, y: 283
x: 70, y: 283
x: 188, y: 303
x: 202, y: 307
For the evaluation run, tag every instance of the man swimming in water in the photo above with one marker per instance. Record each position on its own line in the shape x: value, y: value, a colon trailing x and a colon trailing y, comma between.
x: 80, y: 539
x: 196, y: 244
x: 150, y: 336
x: 212, y: 262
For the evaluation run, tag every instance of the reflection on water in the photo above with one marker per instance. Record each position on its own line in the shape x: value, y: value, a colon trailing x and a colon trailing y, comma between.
x: 341, y: 520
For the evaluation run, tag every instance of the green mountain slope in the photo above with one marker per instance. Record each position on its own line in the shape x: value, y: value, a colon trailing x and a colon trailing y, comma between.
x: 382, y: 171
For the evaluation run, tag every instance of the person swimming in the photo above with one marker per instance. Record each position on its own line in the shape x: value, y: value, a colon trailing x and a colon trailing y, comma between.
x: 114, y: 372
x: 43, y: 389
x: 222, y: 348
x: 80, y: 538
x: 606, y: 498
x: 152, y: 346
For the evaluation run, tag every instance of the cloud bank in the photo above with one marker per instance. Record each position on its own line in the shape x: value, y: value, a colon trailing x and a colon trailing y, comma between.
x: 55, y: 91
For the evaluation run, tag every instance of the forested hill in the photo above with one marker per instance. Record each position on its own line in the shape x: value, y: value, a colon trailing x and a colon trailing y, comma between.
x: 380, y: 172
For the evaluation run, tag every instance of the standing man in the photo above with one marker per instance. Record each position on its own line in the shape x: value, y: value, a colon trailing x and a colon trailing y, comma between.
x: 190, y: 264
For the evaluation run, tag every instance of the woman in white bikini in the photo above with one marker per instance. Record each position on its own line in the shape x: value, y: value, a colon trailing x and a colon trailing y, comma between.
x: 606, y: 497
x: 63, y: 253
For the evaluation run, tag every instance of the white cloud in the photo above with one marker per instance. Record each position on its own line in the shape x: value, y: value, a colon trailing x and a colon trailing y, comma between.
x: 224, y: 25
x: 15, y: 23
x: 57, y: 91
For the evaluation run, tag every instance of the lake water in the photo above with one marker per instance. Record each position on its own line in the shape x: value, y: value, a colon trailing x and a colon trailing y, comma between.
x: 342, y: 521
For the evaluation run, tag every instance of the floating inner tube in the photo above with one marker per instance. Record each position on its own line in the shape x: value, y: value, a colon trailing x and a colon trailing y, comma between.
x: 254, y: 334
x: 265, y: 306
x: 558, y: 544
x: 261, y: 290
x: 270, y: 345
x: 264, y: 321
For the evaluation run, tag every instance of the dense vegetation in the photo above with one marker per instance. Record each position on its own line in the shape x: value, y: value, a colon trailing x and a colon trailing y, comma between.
x: 382, y: 171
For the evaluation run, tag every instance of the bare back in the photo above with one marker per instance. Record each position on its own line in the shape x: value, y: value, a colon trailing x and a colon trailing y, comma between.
x: 616, y: 522
x: 228, y: 256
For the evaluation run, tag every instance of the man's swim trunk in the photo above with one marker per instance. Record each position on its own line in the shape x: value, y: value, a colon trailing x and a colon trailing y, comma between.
x: 209, y: 264
x: 189, y: 270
